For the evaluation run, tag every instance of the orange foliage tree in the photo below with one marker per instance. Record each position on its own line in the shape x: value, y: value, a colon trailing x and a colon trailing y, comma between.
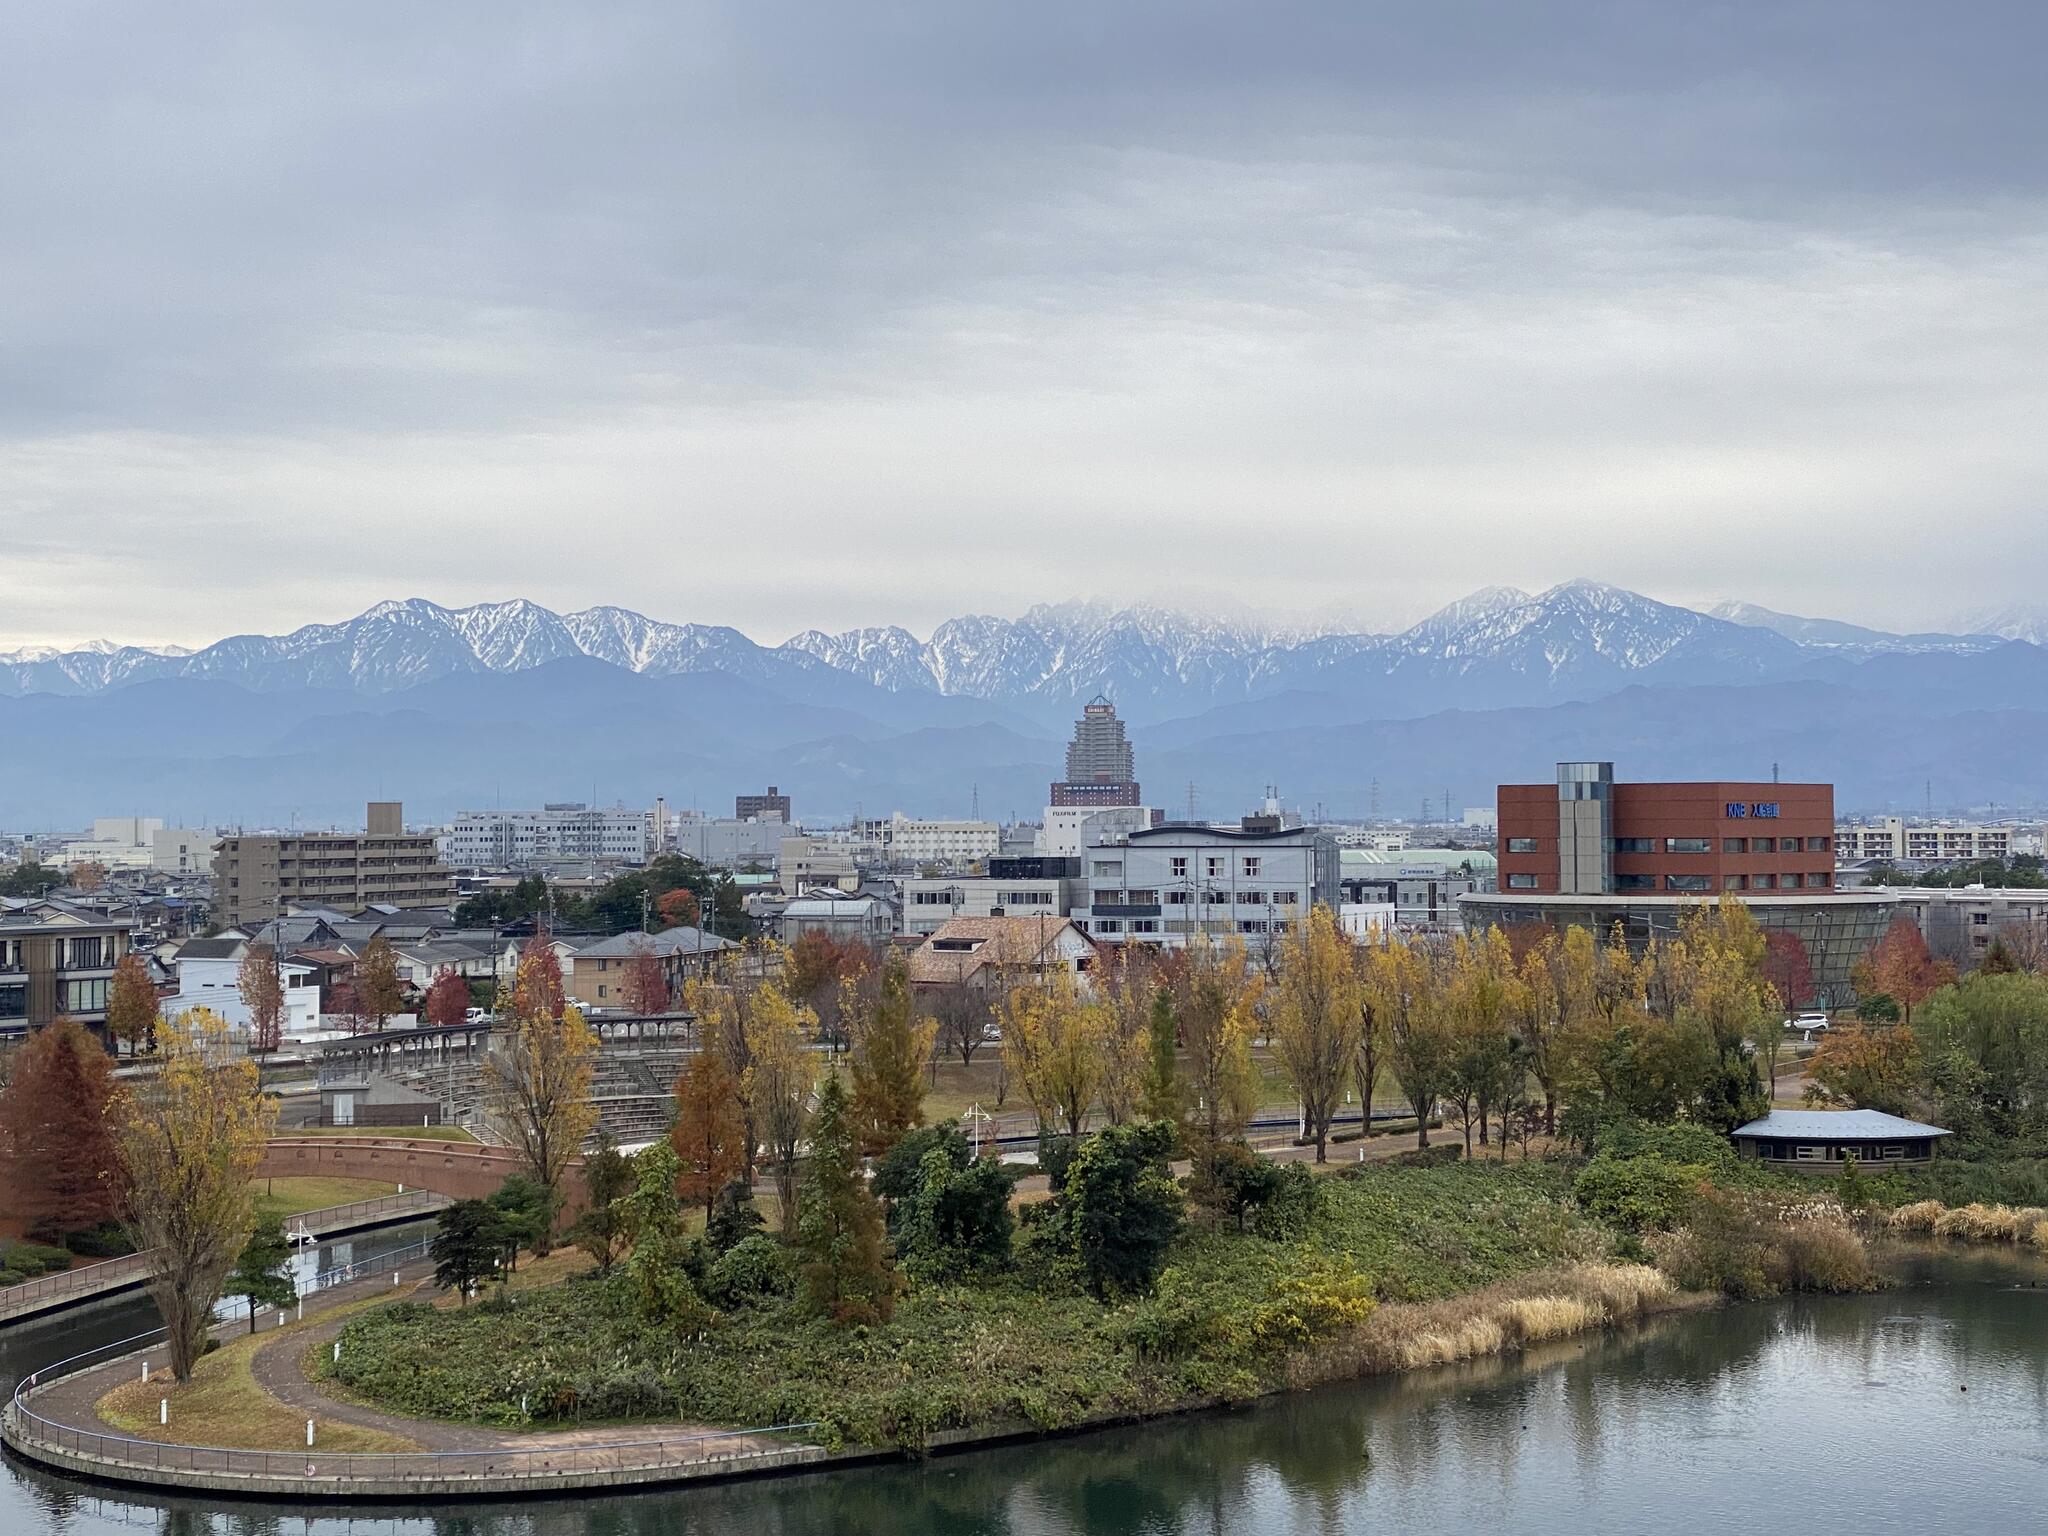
x: 678, y: 909
x: 647, y: 989
x: 57, y: 1143
x: 1865, y: 1066
x: 709, y: 1135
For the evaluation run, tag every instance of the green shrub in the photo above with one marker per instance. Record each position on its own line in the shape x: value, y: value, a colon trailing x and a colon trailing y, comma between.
x: 11, y: 1277
x: 108, y: 1240
x: 1676, y: 1142
x: 1427, y: 1157
x: 36, y: 1258
x: 756, y: 1267
x: 1637, y: 1194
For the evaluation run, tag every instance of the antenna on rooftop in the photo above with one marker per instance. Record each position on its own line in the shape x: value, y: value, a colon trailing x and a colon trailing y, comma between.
x: 1774, y: 771
x: 1191, y: 799
x: 976, y: 816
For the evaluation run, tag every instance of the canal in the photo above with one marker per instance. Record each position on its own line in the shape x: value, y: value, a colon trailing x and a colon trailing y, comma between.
x: 1924, y: 1408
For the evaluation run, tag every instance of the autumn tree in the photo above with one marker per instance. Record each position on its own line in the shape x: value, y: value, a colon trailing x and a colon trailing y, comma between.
x: 679, y: 909
x: 1125, y: 983
x: 1406, y: 984
x: 1315, y: 1014
x: 261, y: 985
x: 190, y: 1141
x: 1482, y: 1000
x: 88, y: 875
x: 131, y: 1003
x: 709, y: 1131
x: 379, y: 991
x: 1052, y: 1044
x: 890, y: 1047
x: 833, y: 977
x: 845, y: 1272
x: 57, y: 1146
x: 960, y: 1011
x: 447, y: 1003
x: 1218, y: 1007
x: 1720, y: 993
x: 1900, y: 966
x: 777, y: 1084
x: 647, y: 989
x: 1865, y: 1066
x: 537, y: 1078
x: 1788, y: 967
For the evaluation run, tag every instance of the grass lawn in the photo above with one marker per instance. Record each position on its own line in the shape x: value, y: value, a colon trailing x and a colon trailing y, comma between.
x: 410, y: 1133
x: 223, y: 1405
x: 281, y: 1199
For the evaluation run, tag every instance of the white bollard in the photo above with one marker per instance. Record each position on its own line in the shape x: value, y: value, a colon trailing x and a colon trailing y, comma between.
x: 309, y: 1434
x: 1361, y: 1154
x: 302, y: 1309
x: 145, y: 1370
x: 163, y: 1410
x: 337, y: 1351
x: 394, y: 1277
x: 401, y: 1189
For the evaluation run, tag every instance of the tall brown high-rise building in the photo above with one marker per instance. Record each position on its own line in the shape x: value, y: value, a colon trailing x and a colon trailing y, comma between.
x: 1100, y: 767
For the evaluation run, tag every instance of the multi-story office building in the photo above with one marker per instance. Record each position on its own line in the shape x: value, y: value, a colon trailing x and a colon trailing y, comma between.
x: 775, y: 803
x: 57, y: 960
x: 1896, y: 841
x: 557, y: 833
x: 803, y: 863
x: 1100, y: 767
x: 1589, y: 852
x: 1013, y: 887
x: 1068, y: 829
x: 183, y: 850
x: 1586, y: 835
x: 1160, y: 885
x: 727, y: 842
x: 256, y: 877
x: 904, y: 840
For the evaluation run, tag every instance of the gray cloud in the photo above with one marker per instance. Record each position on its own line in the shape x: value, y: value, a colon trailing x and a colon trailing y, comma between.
x: 775, y: 315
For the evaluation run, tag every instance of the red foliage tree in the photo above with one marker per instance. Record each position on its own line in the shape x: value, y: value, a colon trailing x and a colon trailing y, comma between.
x: 447, y: 998
x: 647, y: 989
x: 1902, y: 967
x: 56, y: 1137
x: 679, y: 909
x: 262, y: 989
x: 1788, y: 968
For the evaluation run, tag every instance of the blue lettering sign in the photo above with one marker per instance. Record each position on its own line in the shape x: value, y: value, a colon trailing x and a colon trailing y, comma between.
x: 1764, y: 808
x: 1735, y: 810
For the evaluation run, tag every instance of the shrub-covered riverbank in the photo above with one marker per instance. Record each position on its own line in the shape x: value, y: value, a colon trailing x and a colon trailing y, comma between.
x: 1396, y: 1267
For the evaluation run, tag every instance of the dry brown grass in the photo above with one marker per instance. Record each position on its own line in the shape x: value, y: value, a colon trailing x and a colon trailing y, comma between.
x: 1920, y: 1216
x: 1515, y: 1314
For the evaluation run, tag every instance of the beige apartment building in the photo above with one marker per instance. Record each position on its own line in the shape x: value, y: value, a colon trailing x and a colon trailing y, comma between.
x: 257, y: 877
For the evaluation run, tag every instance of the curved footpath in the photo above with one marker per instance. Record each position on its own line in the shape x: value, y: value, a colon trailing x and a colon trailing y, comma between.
x: 55, y: 1424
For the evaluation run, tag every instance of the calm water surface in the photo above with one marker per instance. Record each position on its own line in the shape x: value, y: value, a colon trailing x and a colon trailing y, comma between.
x: 1835, y: 1414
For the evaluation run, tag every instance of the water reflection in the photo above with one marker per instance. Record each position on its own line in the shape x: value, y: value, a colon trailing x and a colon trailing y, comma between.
x: 1840, y: 1412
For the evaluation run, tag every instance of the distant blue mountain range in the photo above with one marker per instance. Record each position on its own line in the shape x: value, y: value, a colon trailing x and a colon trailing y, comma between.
x: 510, y: 703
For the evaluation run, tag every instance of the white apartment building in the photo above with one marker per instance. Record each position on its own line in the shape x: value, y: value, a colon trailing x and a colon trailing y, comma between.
x: 183, y: 850
x: 117, y: 842
x: 553, y: 834
x: 1163, y: 884
x: 904, y: 840
x: 1894, y: 839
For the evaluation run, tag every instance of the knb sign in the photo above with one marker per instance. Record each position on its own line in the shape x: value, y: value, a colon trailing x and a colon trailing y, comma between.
x: 1762, y: 809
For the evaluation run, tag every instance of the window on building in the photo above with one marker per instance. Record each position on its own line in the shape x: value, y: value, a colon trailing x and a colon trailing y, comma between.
x: 1685, y: 882
x: 1180, y: 869
x: 85, y: 996
x: 1145, y: 925
x: 1685, y: 845
x: 1763, y: 845
x: 1763, y: 882
x: 1251, y: 898
x: 1980, y: 919
x: 1213, y: 868
x: 1251, y: 867
x: 1286, y: 898
x: 1144, y: 898
x: 1521, y: 882
x: 1734, y: 845
x: 1734, y: 882
x: 1818, y: 882
x: 1251, y: 925
x: 1635, y: 845
x: 1817, y: 844
x: 1635, y: 882
x: 1108, y: 925
x: 1176, y: 898
x: 1106, y: 867
x: 1521, y: 845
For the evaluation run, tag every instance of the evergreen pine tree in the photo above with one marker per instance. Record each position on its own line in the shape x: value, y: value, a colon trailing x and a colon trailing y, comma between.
x: 263, y: 1272
x: 846, y: 1272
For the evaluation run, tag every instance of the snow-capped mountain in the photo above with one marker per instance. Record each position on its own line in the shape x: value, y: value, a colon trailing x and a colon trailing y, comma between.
x: 1844, y: 639
x: 1499, y: 646
x: 2016, y: 621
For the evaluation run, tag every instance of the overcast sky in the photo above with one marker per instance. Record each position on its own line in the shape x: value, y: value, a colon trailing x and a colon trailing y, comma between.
x: 835, y: 314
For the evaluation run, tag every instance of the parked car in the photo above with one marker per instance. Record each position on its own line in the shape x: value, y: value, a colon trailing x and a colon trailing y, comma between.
x: 1809, y: 1024
x: 475, y: 1016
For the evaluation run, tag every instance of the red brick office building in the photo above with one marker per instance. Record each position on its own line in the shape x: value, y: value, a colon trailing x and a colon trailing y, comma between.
x: 1587, y: 835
